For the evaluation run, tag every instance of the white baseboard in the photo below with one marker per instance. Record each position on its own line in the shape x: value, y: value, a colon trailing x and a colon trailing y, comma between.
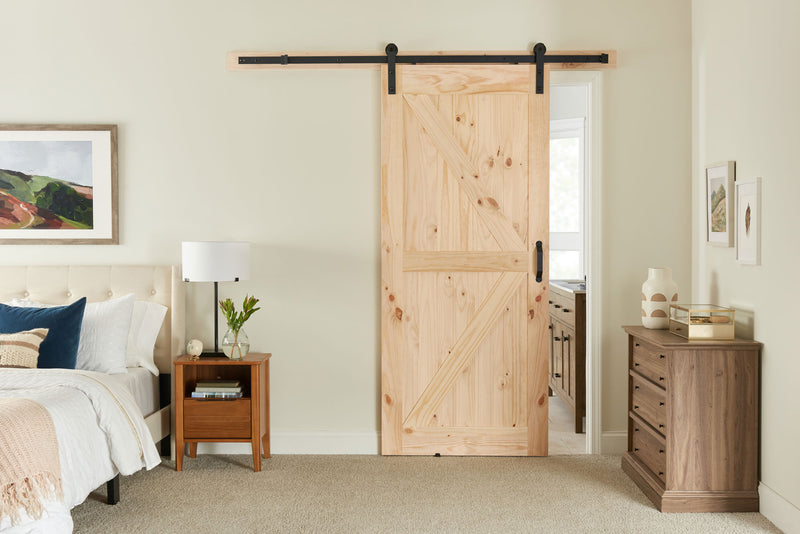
x: 613, y: 442
x: 781, y: 512
x: 305, y: 443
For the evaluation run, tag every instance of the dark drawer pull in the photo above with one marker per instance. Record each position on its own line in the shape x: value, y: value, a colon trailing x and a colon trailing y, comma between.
x: 661, y: 378
x: 635, y: 387
x: 566, y: 338
x: 635, y: 406
x: 557, y: 306
x: 635, y: 429
x: 661, y: 356
x: 661, y: 404
x: 549, y: 327
x: 636, y: 449
x: 557, y: 375
x: 565, y: 310
x: 661, y: 473
x: 636, y: 364
x: 557, y: 338
x: 660, y: 451
x: 635, y: 344
x: 660, y: 426
x: 549, y: 301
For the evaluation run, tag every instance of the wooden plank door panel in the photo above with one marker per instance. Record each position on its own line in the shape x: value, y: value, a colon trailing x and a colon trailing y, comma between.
x: 458, y: 297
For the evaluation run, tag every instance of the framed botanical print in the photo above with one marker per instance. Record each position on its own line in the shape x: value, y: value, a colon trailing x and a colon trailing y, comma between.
x: 58, y: 184
x: 748, y: 222
x: 719, y: 203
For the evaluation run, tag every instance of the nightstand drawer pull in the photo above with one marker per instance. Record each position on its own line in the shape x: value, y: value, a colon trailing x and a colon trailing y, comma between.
x: 661, y: 404
x: 636, y: 449
x: 565, y: 310
x: 557, y: 306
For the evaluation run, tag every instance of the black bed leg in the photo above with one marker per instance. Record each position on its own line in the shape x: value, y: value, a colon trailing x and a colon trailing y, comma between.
x: 112, y: 490
x: 164, y: 447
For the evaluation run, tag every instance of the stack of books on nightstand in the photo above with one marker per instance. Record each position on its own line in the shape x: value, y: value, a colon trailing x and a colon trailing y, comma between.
x: 217, y: 389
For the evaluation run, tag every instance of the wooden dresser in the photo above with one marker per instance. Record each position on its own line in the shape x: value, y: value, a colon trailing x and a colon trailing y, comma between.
x: 568, y: 349
x: 693, y: 421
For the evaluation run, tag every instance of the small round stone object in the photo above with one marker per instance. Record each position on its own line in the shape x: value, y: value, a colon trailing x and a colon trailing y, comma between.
x: 194, y: 347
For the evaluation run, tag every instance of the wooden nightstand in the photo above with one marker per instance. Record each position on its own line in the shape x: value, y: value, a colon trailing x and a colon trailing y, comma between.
x: 237, y: 420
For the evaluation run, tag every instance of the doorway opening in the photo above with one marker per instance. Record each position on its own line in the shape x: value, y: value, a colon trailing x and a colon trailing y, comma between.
x: 574, y: 423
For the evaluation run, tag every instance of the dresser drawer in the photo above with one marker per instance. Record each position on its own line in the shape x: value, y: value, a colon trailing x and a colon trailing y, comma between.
x: 649, y: 403
x: 649, y: 449
x: 650, y: 362
x: 216, y: 419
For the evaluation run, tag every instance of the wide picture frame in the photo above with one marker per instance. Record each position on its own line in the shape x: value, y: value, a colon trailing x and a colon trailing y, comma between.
x: 748, y: 222
x: 58, y: 184
x: 720, y: 221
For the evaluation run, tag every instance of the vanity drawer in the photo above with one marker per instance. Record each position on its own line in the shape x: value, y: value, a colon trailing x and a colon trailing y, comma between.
x: 650, y: 362
x: 562, y: 308
x: 649, y: 403
x: 649, y: 449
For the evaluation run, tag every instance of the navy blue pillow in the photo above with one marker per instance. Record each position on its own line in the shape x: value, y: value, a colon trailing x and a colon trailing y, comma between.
x: 60, y: 348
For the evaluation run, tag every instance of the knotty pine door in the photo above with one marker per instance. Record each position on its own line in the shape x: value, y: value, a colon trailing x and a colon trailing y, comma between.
x: 464, y: 165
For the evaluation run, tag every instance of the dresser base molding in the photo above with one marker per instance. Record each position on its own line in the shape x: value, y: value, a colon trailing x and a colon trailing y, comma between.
x: 686, y: 501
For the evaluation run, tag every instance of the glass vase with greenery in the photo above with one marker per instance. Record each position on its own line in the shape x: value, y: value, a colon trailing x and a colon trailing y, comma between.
x: 235, y: 343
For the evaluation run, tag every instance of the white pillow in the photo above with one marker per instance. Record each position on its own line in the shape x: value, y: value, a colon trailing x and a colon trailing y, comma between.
x: 104, y: 335
x: 145, y: 326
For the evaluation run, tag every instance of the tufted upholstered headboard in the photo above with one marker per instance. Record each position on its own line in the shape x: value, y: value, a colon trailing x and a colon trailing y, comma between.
x: 51, y: 284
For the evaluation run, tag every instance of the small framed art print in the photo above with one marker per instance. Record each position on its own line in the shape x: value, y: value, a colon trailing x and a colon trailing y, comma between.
x: 719, y: 203
x: 748, y: 222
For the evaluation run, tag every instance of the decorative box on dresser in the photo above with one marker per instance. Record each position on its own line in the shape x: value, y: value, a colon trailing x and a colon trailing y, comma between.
x: 693, y: 421
x: 568, y: 348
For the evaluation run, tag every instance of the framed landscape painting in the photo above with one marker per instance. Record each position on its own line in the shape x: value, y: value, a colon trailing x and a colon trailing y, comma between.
x: 58, y: 184
x: 719, y: 203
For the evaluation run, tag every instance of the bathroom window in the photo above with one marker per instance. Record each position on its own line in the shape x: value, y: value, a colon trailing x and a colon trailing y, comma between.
x: 567, y: 186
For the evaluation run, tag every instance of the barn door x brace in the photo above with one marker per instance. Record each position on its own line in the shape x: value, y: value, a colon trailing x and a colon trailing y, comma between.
x: 539, y: 57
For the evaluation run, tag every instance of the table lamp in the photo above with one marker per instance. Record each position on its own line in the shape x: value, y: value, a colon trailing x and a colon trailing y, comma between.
x: 215, y: 261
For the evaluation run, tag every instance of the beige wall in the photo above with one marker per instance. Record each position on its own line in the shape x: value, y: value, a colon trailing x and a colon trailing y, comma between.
x: 290, y: 160
x: 746, y: 108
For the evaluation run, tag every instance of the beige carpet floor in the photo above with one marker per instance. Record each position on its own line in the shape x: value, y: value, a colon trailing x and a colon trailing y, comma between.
x: 585, y: 493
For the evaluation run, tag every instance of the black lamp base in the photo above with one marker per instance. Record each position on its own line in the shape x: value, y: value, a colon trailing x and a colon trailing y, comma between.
x: 213, y: 355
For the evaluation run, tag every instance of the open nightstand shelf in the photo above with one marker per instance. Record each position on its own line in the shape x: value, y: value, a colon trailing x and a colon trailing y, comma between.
x: 222, y: 420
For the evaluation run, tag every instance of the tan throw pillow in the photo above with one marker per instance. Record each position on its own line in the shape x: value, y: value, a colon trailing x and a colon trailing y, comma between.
x: 21, y: 349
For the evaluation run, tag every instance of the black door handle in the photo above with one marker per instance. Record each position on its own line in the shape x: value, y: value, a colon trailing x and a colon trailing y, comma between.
x: 539, y: 261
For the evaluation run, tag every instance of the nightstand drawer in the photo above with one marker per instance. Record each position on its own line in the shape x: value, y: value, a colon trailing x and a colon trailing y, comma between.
x: 205, y: 419
x: 649, y: 362
x: 649, y: 403
x: 648, y: 449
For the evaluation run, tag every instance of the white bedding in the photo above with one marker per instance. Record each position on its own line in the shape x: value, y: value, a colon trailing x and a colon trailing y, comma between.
x: 100, y: 432
x: 143, y: 385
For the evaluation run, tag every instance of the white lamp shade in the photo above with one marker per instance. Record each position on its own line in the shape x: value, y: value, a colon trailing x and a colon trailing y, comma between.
x: 215, y: 261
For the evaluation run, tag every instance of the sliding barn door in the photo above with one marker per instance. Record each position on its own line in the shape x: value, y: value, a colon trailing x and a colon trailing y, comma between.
x: 464, y: 201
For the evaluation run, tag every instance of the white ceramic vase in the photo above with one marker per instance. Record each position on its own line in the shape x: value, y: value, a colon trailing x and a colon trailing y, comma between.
x: 657, y: 292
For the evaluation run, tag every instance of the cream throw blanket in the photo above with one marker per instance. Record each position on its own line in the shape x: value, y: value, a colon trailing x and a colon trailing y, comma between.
x: 30, y: 471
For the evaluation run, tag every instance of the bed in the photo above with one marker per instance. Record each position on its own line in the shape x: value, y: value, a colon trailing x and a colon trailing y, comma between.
x: 92, y: 411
